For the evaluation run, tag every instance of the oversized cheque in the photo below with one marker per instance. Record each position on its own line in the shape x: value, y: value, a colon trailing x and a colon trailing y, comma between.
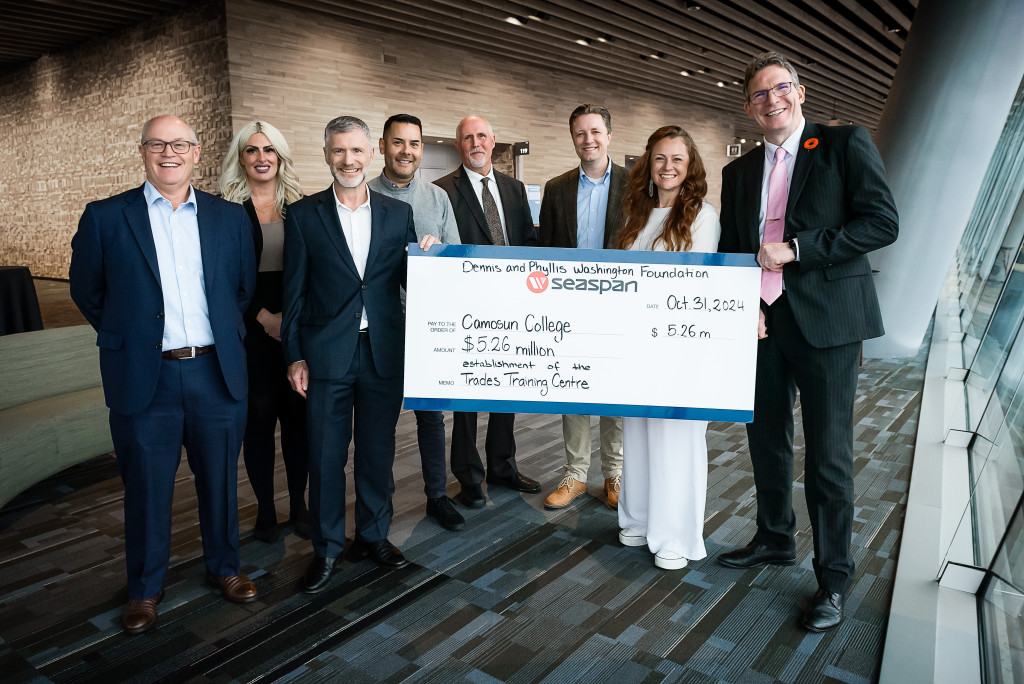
x: 578, y: 331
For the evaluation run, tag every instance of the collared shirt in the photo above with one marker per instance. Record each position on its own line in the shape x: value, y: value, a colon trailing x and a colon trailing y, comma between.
x: 180, y: 260
x: 792, y: 146
x: 478, y: 187
x: 355, y: 223
x: 592, y: 208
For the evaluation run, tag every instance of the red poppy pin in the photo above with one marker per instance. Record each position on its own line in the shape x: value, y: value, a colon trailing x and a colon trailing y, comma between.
x: 810, y: 143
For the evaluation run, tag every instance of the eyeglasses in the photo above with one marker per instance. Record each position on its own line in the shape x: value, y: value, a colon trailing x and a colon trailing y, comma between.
x: 780, y: 90
x: 158, y: 146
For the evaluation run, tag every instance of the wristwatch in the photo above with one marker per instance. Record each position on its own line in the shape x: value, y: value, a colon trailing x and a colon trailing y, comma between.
x: 794, y: 245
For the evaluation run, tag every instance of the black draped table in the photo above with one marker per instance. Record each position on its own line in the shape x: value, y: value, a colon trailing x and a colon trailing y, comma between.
x: 19, y: 306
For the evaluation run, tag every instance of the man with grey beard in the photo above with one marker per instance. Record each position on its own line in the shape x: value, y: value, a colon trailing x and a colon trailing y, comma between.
x: 343, y: 334
x: 491, y: 209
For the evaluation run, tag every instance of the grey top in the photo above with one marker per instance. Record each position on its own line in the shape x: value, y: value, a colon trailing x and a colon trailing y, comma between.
x: 272, y: 257
x: 431, y: 209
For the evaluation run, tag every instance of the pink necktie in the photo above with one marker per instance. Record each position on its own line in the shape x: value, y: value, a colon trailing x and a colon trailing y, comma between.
x: 775, y: 223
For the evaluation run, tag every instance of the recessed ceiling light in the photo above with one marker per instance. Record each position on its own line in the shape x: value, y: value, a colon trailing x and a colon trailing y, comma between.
x: 684, y: 72
x: 517, y: 21
x: 720, y: 84
x: 540, y: 16
x: 602, y: 39
x: 440, y: 141
x: 757, y: 142
x: 743, y: 140
x: 583, y: 41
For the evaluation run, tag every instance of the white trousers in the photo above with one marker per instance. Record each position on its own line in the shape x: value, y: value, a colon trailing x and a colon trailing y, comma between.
x: 664, y: 483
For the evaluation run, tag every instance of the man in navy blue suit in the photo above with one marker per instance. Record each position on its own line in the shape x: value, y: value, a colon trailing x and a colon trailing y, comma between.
x: 343, y: 333
x: 163, y: 273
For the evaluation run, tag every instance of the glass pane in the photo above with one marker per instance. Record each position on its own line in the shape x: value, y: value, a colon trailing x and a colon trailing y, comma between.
x: 1002, y: 625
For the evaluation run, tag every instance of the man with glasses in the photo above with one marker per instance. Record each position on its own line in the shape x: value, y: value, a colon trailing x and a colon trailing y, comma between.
x: 811, y: 203
x: 163, y: 273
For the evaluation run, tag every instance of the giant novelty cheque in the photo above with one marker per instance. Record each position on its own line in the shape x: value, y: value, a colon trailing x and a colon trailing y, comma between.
x: 579, y: 331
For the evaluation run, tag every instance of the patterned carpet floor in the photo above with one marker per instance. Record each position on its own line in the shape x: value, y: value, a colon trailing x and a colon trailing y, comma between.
x: 520, y: 595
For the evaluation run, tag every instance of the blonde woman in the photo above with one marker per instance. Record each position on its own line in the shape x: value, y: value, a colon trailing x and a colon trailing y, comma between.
x: 257, y: 172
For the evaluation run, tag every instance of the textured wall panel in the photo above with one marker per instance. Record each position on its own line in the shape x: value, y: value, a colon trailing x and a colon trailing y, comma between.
x: 70, y: 125
x: 298, y: 69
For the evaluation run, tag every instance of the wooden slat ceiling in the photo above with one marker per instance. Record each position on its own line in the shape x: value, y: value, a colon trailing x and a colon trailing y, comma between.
x: 845, y: 50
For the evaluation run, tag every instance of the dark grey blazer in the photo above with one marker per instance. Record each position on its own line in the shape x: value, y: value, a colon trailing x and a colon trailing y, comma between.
x: 839, y: 209
x: 558, y: 209
x: 470, y: 215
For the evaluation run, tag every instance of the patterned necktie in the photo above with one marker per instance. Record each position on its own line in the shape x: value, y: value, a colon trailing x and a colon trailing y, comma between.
x: 491, y: 214
x: 775, y: 223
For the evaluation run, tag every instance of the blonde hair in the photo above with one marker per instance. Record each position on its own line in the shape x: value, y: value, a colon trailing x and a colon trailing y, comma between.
x: 234, y: 184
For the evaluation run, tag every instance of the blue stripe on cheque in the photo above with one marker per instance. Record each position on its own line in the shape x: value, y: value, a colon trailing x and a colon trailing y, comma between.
x: 567, y: 408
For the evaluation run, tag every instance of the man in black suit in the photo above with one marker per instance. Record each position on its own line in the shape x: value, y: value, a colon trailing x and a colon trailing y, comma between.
x: 343, y: 333
x: 163, y: 273
x: 486, y: 217
x: 583, y: 208
x: 837, y: 209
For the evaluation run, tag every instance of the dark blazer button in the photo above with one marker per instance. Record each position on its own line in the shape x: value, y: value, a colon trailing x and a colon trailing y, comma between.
x: 359, y: 315
x: 364, y: 286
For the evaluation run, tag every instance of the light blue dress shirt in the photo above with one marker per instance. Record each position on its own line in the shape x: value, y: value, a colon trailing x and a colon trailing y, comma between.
x: 176, y: 236
x: 592, y: 209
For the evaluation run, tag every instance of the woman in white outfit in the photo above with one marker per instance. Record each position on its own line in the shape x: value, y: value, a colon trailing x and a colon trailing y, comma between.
x: 665, y: 461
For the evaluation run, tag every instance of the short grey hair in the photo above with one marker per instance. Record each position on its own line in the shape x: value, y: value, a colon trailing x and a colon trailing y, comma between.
x: 145, y: 128
x: 763, y: 61
x: 345, y: 124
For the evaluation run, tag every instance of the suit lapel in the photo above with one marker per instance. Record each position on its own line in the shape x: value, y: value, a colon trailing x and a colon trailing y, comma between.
x: 465, y: 187
x: 806, y: 160
x: 332, y: 227
x: 569, y: 198
x: 613, y: 214
x: 509, y: 193
x: 136, y: 213
x: 753, y: 171
x: 207, y: 216
x: 378, y: 213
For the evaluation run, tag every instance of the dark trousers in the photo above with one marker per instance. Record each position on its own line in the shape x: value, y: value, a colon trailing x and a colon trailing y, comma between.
x: 827, y: 381
x: 191, y: 408
x: 500, y: 447
x: 371, y: 403
x: 271, y: 399
x: 430, y: 437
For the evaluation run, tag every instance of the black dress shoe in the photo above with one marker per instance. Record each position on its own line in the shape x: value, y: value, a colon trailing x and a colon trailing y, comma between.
x: 518, y: 482
x: 267, y: 534
x: 443, y: 510
x: 382, y: 551
x: 754, y: 555
x: 318, y: 576
x: 472, y: 496
x: 299, y: 521
x: 824, y: 613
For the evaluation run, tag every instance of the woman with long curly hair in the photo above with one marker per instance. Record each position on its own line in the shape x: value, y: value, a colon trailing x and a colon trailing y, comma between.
x: 665, y: 461
x: 257, y: 172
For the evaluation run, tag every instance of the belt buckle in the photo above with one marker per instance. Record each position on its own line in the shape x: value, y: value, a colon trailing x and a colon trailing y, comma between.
x: 193, y: 350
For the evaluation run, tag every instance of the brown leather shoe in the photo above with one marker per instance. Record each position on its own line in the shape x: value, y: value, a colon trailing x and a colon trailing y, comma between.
x: 140, y: 616
x: 236, y: 588
x: 612, y: 485
x: 568, y: 489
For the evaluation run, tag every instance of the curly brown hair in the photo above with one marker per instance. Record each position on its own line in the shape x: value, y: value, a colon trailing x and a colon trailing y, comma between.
x: 638, y: 203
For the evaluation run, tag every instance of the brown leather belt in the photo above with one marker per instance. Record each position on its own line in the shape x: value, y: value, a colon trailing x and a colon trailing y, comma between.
x: 187, y: 352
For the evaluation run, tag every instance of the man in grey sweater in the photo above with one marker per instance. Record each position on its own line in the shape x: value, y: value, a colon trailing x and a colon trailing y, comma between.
x: 402, y: 147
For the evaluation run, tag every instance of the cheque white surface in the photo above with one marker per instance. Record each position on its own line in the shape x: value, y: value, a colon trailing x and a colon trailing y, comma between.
x: 599, y: 332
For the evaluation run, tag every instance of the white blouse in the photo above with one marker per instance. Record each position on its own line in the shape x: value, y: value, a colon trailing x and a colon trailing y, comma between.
x: 705, y: 231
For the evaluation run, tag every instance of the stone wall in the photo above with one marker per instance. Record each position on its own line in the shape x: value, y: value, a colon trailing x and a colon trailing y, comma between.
x: 70, y: 125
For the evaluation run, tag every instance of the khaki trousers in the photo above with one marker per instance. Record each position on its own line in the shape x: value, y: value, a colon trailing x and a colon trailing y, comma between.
x: 576, y: 431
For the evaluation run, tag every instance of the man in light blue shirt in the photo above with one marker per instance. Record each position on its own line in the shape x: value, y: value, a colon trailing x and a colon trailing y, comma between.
x: 163, y: 273
x: 582, y: 208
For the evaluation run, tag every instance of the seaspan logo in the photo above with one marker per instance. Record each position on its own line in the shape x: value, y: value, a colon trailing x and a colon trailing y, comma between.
x: 537, y: 281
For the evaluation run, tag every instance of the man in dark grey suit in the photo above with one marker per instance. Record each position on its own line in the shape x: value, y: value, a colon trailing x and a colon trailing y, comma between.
x: 343, y: 334
x: 832, y: 206
x: 486, y: 217
x: 583, y: 208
